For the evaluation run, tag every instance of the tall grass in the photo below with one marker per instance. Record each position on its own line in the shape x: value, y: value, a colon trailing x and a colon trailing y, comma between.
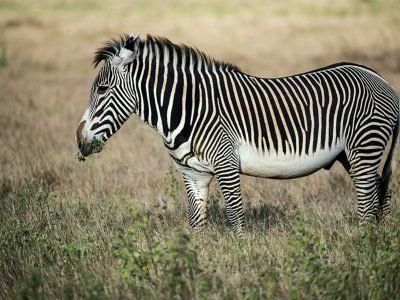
x: 3, y: 54
x: 53, y: 250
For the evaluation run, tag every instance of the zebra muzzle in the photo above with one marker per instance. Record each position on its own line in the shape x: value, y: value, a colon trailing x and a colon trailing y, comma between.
x: 81, y: 140
x: 88, y: 146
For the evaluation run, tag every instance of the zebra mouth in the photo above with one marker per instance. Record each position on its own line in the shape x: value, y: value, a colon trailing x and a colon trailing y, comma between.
x: 95, y: 146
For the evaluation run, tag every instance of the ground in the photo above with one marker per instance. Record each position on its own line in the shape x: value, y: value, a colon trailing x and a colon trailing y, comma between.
x: 115, y: 226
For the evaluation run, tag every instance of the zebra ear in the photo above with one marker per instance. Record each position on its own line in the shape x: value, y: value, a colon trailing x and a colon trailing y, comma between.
x: 129, y: 51
x: 132, y: 42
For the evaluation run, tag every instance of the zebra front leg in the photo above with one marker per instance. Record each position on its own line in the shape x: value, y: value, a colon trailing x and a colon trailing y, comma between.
x: 197, y: 192
x: 229, y: 182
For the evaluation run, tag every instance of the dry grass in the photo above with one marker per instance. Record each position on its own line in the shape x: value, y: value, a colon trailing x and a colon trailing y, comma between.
x: 45, y: 76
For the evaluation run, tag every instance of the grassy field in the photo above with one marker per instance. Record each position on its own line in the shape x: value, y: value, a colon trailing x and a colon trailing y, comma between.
x: 115, y: 226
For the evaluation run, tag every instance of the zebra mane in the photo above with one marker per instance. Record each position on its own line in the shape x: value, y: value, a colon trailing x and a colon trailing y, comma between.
x: 110, y: 48
x: 114, y: 46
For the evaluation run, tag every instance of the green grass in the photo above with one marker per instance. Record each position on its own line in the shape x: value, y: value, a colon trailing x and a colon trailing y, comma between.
x: 3, y: 54
x: 101, y: 251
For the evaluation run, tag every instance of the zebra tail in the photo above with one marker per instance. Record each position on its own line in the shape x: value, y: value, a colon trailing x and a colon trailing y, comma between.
x: 389, y: 163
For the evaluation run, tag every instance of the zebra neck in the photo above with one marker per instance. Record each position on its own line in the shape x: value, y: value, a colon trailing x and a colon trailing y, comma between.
x: 169, y: 90
x: 145, y: 75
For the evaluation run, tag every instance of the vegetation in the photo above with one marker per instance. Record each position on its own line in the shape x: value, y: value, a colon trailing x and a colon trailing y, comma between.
x: 100, y: 257
x: 3, y: 55
x: 115, y: 226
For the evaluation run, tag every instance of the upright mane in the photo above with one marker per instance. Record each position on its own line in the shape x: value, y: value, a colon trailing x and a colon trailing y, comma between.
x: 114, y: 46
x: 110, y: 48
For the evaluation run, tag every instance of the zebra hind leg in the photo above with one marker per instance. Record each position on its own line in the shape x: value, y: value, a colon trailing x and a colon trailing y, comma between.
x: 385, y: 207
x: 362, y: 168
x: 197, y: 191
x: 385, y: 197
x: 384, y: 180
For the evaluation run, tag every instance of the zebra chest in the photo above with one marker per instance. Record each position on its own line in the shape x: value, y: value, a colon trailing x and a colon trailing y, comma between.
x: 189, y: 163
x: 280, y: 165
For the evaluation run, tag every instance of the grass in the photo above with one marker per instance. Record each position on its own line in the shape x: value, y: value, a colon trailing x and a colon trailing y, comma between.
x: 115, y: 226
x: 3, y: 54
x: 112, y: 250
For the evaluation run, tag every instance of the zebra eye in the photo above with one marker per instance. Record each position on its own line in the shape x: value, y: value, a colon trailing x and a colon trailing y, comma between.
x: 101, y: 89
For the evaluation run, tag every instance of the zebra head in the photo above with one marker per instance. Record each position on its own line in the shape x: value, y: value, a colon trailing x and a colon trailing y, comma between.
x: 112, y: 97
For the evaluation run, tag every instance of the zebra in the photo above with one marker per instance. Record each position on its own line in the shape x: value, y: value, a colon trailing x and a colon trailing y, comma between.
x: 217, y: 121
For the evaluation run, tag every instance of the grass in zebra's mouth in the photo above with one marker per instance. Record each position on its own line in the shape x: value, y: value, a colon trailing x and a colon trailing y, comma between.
x: 96, y: 145
x: 80, y: 157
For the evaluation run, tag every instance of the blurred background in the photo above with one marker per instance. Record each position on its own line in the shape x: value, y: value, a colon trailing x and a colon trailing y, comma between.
x: 46, y: 49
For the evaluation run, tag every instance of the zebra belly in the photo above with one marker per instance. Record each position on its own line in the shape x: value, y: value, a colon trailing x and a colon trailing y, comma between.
x: 278, y: 165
